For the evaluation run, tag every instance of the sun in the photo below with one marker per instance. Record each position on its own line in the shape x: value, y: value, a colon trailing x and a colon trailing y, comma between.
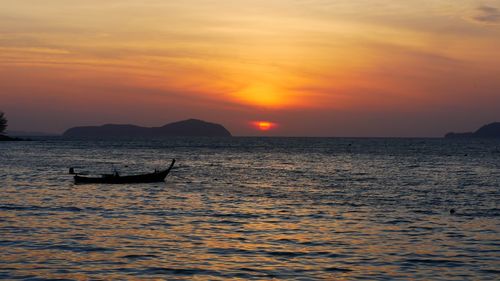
x: 264, y: 125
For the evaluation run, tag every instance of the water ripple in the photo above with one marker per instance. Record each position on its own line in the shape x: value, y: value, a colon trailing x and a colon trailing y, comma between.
x: 252, y: 208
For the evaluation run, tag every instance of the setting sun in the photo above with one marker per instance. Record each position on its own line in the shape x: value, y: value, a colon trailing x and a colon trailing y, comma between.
x: 264, y: 125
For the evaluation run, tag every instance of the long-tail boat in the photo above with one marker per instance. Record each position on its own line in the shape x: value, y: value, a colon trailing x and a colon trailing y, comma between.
x: 156, y: 176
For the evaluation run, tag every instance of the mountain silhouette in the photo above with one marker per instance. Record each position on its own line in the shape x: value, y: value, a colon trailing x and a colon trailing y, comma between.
x: 7, y: 138
x: 487, y: 131
x: 186, y: 128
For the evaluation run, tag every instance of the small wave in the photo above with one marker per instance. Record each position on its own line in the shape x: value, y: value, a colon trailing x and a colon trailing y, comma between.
x: 436, y: 262
x: 257, y: 273
x: 337, y: 269
x: 138, y: 257
x: 229, y: 222
x: 426, y: 212
x: 67, y: 209
x: 46, y: 279
x: 333, y: 255
x: 299, y: 254
x: 455, y: 235
x: 248, y: 269
x: 286, y: 240
x: 39, y: 208
x: 17, y: 208
x: 79, y: 236
x: 398, y: 221
x: 366, y: 179
x: 242, y: 275
x: 286, y: 254
x: 78, y: 248
x: 226, y: 251
x: 236, y: 215
x: 177, y: 271
x: 491, y: 271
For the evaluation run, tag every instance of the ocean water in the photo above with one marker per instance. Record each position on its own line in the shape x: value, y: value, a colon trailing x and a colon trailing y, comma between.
x: 253, y: 209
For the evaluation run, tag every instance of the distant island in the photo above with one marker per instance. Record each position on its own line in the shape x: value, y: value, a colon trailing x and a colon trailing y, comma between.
x: 487, y: 131
x: 186, y: 128
x: 29, y: 134
x: 7, y: 138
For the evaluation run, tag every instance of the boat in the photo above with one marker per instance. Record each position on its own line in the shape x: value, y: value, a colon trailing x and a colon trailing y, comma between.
x: 156, y: 176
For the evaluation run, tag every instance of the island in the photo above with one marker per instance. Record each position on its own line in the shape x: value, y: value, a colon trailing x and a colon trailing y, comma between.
x: 7, y: 138
x: 487, y: 131
x: 186, y: 128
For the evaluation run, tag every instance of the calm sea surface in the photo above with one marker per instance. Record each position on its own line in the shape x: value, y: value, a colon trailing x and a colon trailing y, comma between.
x: 253, y: 208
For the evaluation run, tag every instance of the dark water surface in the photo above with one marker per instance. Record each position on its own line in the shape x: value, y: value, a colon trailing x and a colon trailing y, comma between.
x: 253, y: 208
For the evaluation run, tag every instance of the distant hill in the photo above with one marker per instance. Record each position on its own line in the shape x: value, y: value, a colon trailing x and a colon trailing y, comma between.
x: 186, y: 128
x: 487, y: 131
x: 7, y: 138
x: 29, y: 134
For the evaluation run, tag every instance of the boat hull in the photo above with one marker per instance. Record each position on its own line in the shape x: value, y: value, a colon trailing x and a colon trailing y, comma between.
x: 116, y: 179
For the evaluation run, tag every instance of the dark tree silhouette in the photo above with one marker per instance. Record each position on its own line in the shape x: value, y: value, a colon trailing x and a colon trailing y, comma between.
x: 3, y: 123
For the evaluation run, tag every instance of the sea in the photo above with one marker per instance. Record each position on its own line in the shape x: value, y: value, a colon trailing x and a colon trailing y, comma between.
x: 252, y: 209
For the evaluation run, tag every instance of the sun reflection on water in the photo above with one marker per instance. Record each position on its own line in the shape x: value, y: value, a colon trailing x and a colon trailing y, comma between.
x: 252, y: 211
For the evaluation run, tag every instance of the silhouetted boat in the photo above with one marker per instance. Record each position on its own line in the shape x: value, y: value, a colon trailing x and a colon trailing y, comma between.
x: 156, y: 176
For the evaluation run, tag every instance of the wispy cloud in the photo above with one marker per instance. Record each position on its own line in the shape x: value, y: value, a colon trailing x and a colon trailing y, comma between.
x: 487, y: 14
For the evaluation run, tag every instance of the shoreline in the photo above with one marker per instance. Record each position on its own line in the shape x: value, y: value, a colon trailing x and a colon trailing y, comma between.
x: 7, y: 138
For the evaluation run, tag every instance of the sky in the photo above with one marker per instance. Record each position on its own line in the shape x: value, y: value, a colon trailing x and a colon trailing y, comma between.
x: 307, y: 67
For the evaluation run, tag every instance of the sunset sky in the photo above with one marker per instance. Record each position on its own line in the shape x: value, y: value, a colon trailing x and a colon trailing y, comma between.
x: 308, y: 67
